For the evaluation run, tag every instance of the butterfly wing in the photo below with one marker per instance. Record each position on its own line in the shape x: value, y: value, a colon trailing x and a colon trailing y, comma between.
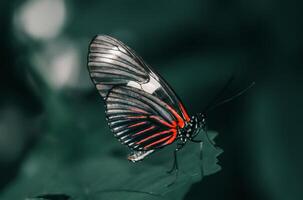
x: 143, y: 112
x: 140, y: 120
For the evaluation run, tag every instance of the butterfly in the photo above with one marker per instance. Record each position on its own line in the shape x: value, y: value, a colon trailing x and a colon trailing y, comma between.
x: 142, y: 110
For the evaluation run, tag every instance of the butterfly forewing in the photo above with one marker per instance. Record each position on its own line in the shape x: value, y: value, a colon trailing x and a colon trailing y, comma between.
x: 110, y: 64
x: 142, y: 111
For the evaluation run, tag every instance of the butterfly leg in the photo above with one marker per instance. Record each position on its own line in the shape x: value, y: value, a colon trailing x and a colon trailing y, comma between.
x: 201, y: 159
x: 175, y: 163
x: 175, y: 167
x: 200, y: 153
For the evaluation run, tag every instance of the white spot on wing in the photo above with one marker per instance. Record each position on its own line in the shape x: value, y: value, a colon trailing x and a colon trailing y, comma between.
x: 122, y: 138
x: 139, y: 155
x: 150, y: 87
x: 134, y: 84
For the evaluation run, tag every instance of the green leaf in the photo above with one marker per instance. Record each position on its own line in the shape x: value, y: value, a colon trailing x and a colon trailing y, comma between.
x: 79, y: 157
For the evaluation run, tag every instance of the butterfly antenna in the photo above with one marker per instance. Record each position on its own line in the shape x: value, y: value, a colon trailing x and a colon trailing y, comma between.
x: 219, y: 94
x: 231, y: 98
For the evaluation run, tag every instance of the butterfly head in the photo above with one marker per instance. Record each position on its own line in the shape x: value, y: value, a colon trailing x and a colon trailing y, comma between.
x: 201, y: 120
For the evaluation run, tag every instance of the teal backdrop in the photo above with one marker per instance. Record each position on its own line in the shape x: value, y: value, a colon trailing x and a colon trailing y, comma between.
x: 53, y: 133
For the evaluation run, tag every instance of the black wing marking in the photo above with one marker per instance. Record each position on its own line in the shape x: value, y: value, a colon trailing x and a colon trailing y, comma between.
x: 140, y: 120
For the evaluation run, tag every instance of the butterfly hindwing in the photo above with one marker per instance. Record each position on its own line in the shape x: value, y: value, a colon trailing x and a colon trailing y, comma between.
x: 139, y: 120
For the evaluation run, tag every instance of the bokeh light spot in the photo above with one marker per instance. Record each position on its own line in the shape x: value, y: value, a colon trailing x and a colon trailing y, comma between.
x: 58, y: 63
x: 41, y: 19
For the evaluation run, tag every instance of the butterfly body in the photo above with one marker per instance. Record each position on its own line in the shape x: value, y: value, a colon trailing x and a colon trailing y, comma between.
x: 142, y: 110
x: 192, y: 128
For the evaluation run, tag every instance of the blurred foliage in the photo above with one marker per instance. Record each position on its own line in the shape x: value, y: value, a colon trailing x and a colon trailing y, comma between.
x: 79, y: 157
x: 53, y: 135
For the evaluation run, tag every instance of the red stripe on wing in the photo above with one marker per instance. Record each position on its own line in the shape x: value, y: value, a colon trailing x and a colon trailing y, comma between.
x: 181, y: 123
x: 137, y: 124
x: 172, y: 139
x: 184, y: 112
x: 153, y: 135
x: 173, y: 125
x: 157, y: 142
x: 145, y: 130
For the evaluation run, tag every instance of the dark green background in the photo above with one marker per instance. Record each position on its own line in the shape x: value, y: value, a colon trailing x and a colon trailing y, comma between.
x: 197, y: 45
